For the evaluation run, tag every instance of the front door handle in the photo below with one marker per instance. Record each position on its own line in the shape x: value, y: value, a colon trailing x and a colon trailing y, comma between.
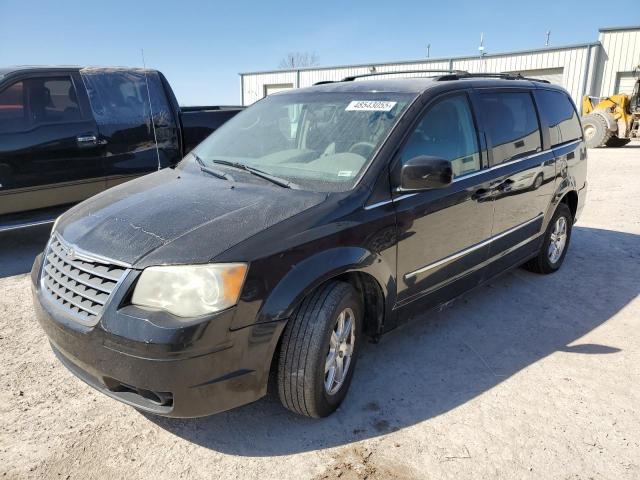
x: 87, y: 141
x: 505, y: 186
x: 481, y: 194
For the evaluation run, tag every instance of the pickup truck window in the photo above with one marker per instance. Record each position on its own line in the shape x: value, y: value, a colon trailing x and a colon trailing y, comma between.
x: 320, y: 141
x: 447, y: 131
x: 511, y: 123
x: 38, y: 101
x: 123, y: 108
x: 121, y: 96
x: 53, y: 100
x: 12, y: 112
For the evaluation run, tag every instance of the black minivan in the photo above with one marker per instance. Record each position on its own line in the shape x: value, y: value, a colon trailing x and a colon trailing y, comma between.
x: 314, y: 218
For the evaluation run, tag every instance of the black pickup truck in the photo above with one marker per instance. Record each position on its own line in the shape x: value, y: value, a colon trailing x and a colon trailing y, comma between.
x: 67, y: 133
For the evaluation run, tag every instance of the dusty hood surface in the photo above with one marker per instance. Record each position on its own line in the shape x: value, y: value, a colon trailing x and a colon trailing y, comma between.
x: 178, y: 216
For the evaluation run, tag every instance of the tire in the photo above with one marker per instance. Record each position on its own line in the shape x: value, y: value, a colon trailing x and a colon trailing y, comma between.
x: 596, y: 132
x: 537, y: 182
x: 615, y: 142
x: 305, y: 350
x: 544, y: 262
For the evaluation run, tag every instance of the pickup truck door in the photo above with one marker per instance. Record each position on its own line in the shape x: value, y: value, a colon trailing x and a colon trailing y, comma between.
x: 442, y: 232
x: 50, y: 153
x: 124, y: 102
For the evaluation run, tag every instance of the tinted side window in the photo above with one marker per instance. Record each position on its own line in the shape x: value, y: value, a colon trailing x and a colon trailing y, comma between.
x: 560, y: 115
x: 121, y: 97
x: 511, y: 125
x: 13, y: 115
x: 447, y: 131
x: 123, y: 104
x: 52, y: 100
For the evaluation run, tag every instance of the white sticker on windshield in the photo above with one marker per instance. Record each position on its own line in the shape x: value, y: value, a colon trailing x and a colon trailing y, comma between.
x: 345, y: 173
x: 370, y: 106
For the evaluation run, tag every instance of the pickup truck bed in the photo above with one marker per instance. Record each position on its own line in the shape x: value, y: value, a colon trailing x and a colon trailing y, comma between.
x: 199, y: 122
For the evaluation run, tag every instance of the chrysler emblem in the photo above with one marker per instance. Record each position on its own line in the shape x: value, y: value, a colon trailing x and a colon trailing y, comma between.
x: 71, y: 253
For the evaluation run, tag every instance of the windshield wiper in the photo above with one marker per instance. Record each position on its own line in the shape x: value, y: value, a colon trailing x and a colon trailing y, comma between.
x: 211, y: 171
x: 258, y: 173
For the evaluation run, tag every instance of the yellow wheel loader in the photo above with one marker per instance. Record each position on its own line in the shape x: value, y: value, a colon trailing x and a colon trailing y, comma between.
x: 612, y: 121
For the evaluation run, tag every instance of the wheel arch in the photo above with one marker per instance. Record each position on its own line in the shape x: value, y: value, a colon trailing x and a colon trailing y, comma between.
x: 567, y: 195
x: 369, y: 274
x: 570, y: 198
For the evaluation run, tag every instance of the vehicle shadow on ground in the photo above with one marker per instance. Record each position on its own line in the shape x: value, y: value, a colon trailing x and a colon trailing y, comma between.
x: 19, y: 248
x: 440, y: 361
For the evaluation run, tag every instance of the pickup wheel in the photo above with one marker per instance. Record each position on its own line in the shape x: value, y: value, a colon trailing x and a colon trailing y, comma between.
x: 555, y: 243
x: 319, y: 350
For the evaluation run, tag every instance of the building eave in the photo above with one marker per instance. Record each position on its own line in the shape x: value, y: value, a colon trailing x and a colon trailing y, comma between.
x: 427, y: 60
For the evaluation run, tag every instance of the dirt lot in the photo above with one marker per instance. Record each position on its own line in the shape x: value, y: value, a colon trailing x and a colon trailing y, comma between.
x: 529, y: 377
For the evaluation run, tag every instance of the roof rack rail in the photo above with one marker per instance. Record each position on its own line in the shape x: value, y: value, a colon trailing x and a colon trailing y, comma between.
x: 351, y: 78
x: 504, y: 75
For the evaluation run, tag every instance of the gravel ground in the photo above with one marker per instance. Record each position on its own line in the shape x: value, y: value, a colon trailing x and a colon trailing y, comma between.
x: 528, y: 377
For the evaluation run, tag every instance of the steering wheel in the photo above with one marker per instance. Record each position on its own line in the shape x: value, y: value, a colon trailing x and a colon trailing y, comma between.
x: 362, y: 148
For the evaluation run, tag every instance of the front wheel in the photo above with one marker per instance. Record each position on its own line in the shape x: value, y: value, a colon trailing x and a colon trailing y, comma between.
x: 319, y: 350
x: 555, y: 243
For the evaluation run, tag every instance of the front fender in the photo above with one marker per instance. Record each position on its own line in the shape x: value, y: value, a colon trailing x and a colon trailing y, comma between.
x: 307, y: 275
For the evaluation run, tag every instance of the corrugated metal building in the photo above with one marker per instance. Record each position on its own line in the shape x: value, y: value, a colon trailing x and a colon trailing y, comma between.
x: 601, y: 68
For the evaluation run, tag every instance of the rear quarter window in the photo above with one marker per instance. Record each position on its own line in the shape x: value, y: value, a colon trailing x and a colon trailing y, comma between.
x: 511, y: 124
x: 560, y: 116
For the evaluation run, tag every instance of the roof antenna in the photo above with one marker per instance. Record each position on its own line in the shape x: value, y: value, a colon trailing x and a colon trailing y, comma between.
x: 153, y: 125
x: 428, y: 50
x: 548, y: 34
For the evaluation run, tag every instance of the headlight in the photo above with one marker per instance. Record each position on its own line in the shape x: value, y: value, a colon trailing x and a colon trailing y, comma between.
x: 190, y: 290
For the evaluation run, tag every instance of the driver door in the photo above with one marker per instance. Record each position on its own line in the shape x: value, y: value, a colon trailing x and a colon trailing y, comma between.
x: 442, y: 232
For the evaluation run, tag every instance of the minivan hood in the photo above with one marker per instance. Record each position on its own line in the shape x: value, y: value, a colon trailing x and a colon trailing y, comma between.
x: 177, y: 216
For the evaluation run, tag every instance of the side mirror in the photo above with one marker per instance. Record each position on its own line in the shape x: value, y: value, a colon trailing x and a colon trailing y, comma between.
x: 425, y: 173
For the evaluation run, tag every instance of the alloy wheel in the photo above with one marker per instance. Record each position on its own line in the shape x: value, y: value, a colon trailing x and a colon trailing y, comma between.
x: 558, y: 240
x: 341, y: 343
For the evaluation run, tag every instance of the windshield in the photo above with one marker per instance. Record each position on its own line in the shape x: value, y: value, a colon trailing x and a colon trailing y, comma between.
x: 318, y: 141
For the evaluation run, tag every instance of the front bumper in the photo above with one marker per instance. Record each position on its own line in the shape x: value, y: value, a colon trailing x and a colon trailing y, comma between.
x: 143, y: 359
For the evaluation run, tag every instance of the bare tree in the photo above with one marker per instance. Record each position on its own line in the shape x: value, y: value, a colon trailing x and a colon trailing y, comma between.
x: 299, y: 60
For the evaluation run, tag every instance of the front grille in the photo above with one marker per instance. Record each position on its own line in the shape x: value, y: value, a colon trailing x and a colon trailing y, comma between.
x: 80, y: 283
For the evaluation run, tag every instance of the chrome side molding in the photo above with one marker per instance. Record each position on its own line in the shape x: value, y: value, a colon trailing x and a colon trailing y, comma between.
x: 472, y: 248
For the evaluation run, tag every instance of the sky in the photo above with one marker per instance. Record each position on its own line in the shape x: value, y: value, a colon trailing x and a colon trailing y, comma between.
x: 201, y: 46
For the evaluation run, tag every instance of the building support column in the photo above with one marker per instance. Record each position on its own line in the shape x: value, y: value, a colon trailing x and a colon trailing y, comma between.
x: 242, y: 90
x: 585, y: 78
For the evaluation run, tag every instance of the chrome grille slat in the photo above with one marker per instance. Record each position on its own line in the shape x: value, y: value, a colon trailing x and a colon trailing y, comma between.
x: 78, y: 282
x: 55, y: 287
x: 78, y: 289
x: 88, y: 267
x: 80, y: 277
